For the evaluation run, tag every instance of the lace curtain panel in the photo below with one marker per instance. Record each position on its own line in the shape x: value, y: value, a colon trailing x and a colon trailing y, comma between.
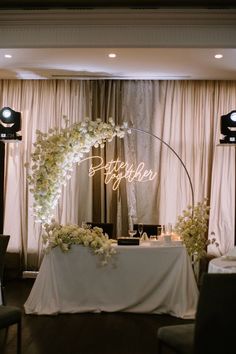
x: 185, y: 114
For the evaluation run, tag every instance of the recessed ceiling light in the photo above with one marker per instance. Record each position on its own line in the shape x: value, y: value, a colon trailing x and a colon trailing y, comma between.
x: 112, y: 55
x: 8, y: 56
x: 218, y: 56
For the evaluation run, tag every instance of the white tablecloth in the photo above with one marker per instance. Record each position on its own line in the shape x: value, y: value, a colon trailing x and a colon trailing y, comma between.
x: 139, y: 279
x: 222, y: 265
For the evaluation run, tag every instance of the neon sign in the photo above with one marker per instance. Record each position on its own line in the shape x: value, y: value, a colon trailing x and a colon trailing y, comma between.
x: 116, y: 170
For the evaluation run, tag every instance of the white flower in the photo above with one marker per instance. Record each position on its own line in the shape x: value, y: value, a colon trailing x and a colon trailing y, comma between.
x: 56, y: 152
x: 192, y: 227
x: 65, y: 236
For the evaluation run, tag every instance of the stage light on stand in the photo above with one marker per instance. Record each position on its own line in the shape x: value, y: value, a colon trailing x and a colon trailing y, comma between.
x: 233, y: 116
x: 228, y: 128
x: 10, y: 124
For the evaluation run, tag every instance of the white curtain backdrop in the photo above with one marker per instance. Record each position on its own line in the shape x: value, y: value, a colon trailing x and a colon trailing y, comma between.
x: 185, y: 114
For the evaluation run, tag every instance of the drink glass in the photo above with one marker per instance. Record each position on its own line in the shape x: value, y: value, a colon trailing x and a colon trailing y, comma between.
x: 169, y: 229
x: 140, y: 229
x: 132, y: 233
x: 84, y: 225
x: 159, y: 230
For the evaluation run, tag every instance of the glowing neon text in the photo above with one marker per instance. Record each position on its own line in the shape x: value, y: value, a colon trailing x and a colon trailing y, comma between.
x: 116, y: 170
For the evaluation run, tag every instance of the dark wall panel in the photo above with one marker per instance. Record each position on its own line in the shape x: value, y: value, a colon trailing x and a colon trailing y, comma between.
x: 16, y: 4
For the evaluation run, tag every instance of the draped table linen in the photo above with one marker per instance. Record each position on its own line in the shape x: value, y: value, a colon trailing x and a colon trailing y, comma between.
x: 222, y: 265
x: 139, y: 279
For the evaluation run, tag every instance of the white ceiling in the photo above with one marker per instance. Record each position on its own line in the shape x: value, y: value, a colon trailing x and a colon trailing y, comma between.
x: 134, y: 63
x: 151, y: 44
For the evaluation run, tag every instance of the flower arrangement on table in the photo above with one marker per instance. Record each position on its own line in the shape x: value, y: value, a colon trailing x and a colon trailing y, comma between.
x: 192, y: 226
x: 64, y: 236
x: 56, y: 152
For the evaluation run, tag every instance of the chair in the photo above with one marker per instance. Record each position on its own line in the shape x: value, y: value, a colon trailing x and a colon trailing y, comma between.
x: 214, y: 329
x: 4, y: 240
x: 148, y: 228
x: 9, y: 316
x: 107, y: 227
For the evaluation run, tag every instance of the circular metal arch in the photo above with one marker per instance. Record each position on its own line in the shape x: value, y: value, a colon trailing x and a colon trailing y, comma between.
x: 175, y: 153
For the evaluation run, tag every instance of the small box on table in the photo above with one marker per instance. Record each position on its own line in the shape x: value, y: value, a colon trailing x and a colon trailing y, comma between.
x: 128, y: 241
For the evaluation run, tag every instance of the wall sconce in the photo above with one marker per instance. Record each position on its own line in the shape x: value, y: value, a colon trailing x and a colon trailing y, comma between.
x: 10, y: 124
x: 228, y: 128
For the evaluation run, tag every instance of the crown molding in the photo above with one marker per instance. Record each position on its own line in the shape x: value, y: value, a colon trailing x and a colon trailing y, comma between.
x: 121, y: 17
x: 117, y: 28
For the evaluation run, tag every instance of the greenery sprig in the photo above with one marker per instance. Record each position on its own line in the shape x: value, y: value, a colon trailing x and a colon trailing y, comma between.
x: 192, y: 226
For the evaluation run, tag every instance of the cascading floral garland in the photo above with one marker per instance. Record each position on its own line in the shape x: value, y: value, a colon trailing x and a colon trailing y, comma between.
x: 64, y: 236
x: 56, y: 152
x: 53, y: 158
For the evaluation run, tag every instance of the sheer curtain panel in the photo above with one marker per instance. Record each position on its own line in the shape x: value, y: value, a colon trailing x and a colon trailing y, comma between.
x: 185, y: 114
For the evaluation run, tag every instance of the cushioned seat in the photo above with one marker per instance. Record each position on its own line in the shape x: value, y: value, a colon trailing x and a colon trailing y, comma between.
x: 173, y: 335
x: 10, y: 315
x: 214, y: 329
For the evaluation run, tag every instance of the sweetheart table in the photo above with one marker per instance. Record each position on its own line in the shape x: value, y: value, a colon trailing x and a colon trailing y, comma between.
x: 139, y: 279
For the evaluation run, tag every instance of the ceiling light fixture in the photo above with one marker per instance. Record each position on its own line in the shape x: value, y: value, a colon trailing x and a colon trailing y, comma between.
x: 8, y: 56
x: 218, y: 56
x: 112, y: 55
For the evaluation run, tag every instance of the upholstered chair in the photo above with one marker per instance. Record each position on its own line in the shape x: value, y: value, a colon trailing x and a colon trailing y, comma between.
x: 213, y: 331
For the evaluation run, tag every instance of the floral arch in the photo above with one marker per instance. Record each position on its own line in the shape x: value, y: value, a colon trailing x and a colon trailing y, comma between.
x: 56, y: 152
x: 53, y: 158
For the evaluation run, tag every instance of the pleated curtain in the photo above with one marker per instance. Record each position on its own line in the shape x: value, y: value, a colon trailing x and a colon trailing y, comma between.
x: 183, y: 114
